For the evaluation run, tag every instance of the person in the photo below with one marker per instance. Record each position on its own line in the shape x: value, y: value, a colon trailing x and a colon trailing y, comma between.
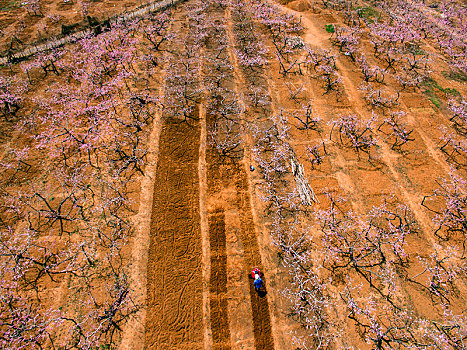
x: 258, y: 282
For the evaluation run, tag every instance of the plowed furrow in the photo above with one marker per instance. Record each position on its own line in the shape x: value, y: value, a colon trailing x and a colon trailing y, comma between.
x: 225, y: 173
x: 263, y: 335
x: 218, y: 282
x: 174, y: 289
x: 259, y: 301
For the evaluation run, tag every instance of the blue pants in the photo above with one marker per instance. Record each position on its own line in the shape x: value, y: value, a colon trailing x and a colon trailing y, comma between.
x: 258, y: 283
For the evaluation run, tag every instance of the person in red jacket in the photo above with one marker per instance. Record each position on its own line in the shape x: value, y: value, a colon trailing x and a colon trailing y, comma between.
x: 258, y: 282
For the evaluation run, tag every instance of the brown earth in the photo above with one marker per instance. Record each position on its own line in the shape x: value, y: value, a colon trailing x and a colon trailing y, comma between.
x: 209, y: 228
x: 174, y: 316
x: 229, y: 181
x: 21, y: 26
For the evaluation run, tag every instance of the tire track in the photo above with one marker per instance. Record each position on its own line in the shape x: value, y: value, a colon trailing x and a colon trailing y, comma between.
x: 174, y: 289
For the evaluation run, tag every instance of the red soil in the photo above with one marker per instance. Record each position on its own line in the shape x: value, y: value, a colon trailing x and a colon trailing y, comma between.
x: 208, y: 227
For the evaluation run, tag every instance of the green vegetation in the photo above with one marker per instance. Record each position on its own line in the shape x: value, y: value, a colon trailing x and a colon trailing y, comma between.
x: 330, y: 28
x: 368, y: 13
x: 435, y: 101
x: 452, y: 92
x: 415, y: 49
x: 6, y: 5
x: 429, y: 85
x: 456, y: 75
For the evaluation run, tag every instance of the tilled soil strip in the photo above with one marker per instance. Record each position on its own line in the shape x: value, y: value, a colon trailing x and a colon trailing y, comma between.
x: 218, y: 281
x: 174, y: 291
x: 259, y: 302
x: 222, y: 174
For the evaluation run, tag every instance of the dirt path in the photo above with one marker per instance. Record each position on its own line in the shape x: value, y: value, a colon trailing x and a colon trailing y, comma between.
x: 174, y: 290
